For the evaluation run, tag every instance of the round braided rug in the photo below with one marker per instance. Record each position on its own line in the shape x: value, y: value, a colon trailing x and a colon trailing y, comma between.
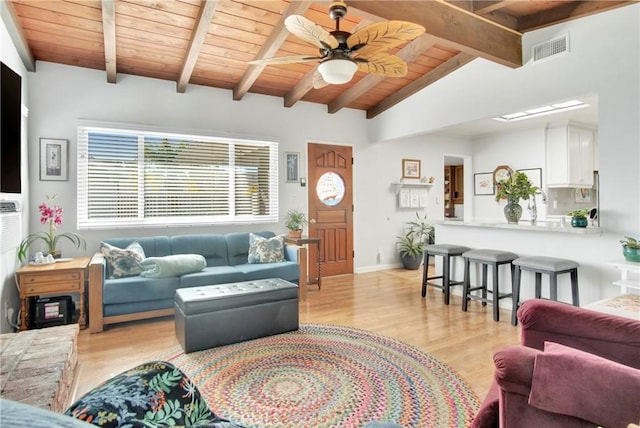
x: 328, y: 376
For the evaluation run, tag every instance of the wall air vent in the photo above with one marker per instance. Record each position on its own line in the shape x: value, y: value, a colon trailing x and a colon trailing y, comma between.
x: 557, y: 46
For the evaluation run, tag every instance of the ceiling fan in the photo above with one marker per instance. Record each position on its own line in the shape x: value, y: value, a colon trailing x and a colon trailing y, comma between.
x: 343, y: 53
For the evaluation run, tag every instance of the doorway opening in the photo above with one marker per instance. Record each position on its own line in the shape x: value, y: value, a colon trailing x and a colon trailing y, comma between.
x: 457, y: 178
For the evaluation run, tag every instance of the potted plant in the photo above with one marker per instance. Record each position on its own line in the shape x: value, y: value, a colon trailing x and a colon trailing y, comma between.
x: 630, y: 249
x: 51, y: 215
x: 579, y: 217
x: 411, y: 245
x: 513, y: 189
x: 294, y: 220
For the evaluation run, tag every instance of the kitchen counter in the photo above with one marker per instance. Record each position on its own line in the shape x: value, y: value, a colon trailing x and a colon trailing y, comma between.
x: 541, y: 226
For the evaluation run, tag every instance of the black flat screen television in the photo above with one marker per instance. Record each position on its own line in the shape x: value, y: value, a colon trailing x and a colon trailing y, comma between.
x: 10, y: 130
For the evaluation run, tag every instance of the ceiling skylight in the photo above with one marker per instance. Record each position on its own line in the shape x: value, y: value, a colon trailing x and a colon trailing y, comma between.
x: 541, y: 111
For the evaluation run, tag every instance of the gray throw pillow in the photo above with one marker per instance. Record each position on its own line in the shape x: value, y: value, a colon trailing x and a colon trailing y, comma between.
x: 263, y: 250
x: 123, y: 262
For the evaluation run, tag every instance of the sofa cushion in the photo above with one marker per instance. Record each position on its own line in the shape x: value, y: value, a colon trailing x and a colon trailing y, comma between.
x: 575, y: 383
x: 289, y: 271
x: 154, y: 246
x: 138, y: 289
x: 212, y: 247
x: 265, y: 250
x: 123, y: 262
x: 174, y: 265
x: 211, y: 275
x: 238, y: 246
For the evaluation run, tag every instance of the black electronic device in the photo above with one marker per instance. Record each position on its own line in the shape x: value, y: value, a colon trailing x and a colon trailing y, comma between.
x: 10, y: 130
x: 51, y: 311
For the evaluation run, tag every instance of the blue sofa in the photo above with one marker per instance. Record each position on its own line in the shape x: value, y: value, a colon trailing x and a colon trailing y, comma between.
x: 137, y: 297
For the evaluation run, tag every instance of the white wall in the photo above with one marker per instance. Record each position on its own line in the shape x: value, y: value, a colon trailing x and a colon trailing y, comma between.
x: 61, y: 95
x: 604, y: 60
x: 8, y: 291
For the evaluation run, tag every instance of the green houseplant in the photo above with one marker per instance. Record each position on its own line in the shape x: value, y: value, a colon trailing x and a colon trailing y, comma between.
x: 52, y: 216
x: 411, y: 245
x: 513, y: 189
x: 579, y: 217
x: 294, y: 220
x: 630, y: 249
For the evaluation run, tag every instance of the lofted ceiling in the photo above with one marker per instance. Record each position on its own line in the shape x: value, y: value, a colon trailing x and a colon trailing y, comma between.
x: 210, y: 43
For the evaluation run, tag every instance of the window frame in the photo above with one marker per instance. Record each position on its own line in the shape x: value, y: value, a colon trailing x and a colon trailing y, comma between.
x: 141, y: 220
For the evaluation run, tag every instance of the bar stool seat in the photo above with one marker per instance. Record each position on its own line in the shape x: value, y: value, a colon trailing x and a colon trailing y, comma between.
x: 551, y: 266
x: 446, y: 251
x: 486, y: 257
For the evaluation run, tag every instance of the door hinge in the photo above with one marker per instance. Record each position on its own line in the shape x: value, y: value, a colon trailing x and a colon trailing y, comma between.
x: 353, y: 254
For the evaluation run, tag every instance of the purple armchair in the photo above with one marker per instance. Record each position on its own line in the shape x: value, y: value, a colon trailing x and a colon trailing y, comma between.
x: 577, y: 368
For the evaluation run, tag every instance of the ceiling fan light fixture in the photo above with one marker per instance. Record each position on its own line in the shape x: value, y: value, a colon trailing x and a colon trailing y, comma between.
x: 337, y: 71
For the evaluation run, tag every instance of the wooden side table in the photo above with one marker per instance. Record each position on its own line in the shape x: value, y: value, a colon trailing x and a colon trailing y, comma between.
x: 55, y: 278
x: 306, y: 240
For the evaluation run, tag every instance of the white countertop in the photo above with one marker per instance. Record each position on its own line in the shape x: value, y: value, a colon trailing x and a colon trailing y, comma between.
x: 540, y: 226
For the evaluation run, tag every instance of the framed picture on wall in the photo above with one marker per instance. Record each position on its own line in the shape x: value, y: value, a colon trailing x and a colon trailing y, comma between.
x: 483, y: 183
x: 534, y: 175
x: 53, y: 159
x: 292, y: 165
x: 410, y: 168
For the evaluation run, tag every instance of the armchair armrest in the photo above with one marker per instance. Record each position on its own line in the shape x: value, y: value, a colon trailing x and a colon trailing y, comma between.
x: 96, y: 283
x: 609, y: 336
x: 514, y: 368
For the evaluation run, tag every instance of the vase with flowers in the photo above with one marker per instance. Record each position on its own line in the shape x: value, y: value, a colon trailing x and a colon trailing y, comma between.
x: 514, y: 188
x: 51, y: 215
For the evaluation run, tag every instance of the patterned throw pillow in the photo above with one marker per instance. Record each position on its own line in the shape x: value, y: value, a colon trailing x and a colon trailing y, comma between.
x: 263, y: 250
x: 123, y: 262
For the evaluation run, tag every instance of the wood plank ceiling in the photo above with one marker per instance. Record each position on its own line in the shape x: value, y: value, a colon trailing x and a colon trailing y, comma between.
x: 209, y: 42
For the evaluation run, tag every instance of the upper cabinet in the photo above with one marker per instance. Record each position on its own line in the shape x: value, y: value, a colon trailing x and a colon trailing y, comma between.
x: 570, y: 156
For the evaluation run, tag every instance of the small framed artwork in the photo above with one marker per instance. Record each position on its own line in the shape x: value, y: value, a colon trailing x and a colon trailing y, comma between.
x: 410, y: 168
x: 53, y: 159
x: 582, y: 196
x: 404, y: 198
x: 292, y: 162
x: 483, y: 184
x: 534, y: 175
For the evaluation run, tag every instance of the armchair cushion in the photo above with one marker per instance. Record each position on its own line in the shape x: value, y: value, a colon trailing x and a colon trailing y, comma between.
x: 575, y: 383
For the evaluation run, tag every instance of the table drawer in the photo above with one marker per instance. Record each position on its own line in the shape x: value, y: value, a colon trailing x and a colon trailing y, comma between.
x: 52, y: 288
x: 50, y: 277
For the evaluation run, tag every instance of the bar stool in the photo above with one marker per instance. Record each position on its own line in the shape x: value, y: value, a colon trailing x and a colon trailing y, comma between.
x: 446, y: 251
x: 551, y: 266
x: 495, y: 258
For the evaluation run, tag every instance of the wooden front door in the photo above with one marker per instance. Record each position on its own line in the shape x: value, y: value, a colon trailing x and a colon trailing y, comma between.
x: 331, y: 207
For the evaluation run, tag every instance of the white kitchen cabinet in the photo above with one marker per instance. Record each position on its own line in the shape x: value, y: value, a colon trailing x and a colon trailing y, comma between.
x: 570, y: 156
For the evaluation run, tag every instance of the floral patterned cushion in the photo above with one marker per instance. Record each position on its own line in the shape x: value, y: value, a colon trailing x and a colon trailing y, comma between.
x: 155, y: 394
x: 263, y: 250
x: 123, y: 262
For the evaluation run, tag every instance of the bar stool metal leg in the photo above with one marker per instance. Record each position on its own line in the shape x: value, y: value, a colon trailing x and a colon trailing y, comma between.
x: 466, y: 285
x: 445, y: 279
x: 425, y: 273
x: 574, y: 288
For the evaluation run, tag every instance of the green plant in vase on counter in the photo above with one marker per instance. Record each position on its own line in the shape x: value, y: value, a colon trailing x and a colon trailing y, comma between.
x: 579, y: 217
x: 513, y: 189
x: 630, y: 249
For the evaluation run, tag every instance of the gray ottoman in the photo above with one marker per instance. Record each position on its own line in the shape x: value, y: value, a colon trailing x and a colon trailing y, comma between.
x: 216, y: 315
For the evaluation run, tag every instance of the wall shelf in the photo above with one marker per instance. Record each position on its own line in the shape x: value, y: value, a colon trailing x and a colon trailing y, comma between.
x: 397, y: 186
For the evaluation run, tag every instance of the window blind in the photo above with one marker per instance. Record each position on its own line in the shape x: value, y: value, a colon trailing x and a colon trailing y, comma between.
x: 129, y: 178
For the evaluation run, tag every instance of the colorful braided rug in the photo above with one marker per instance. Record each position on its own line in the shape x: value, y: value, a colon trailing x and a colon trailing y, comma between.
x: 328, y: 376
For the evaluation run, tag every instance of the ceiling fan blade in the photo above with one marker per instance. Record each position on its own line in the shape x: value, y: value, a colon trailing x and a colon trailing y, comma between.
x: 382, y: 36
x: 286, y: 60
x: 318, y: 81
x: 385, y: 64
x: 310, y: 32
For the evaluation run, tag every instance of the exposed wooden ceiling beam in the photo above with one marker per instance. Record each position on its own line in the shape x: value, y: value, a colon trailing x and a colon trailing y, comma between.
x: 454, y: 27
x: 408, y: 54
x: 568, y: 12
x: 488, y: 6
x: 269, y: 48
x: 12, y: 22
x: 448, y: 67
x: 109, y: 34
x: 207, y: 10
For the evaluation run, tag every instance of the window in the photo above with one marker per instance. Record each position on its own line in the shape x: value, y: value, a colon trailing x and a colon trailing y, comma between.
x: 129, y: 178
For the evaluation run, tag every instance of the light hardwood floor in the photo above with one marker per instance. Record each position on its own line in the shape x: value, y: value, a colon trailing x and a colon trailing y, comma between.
x: 385, y: 302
